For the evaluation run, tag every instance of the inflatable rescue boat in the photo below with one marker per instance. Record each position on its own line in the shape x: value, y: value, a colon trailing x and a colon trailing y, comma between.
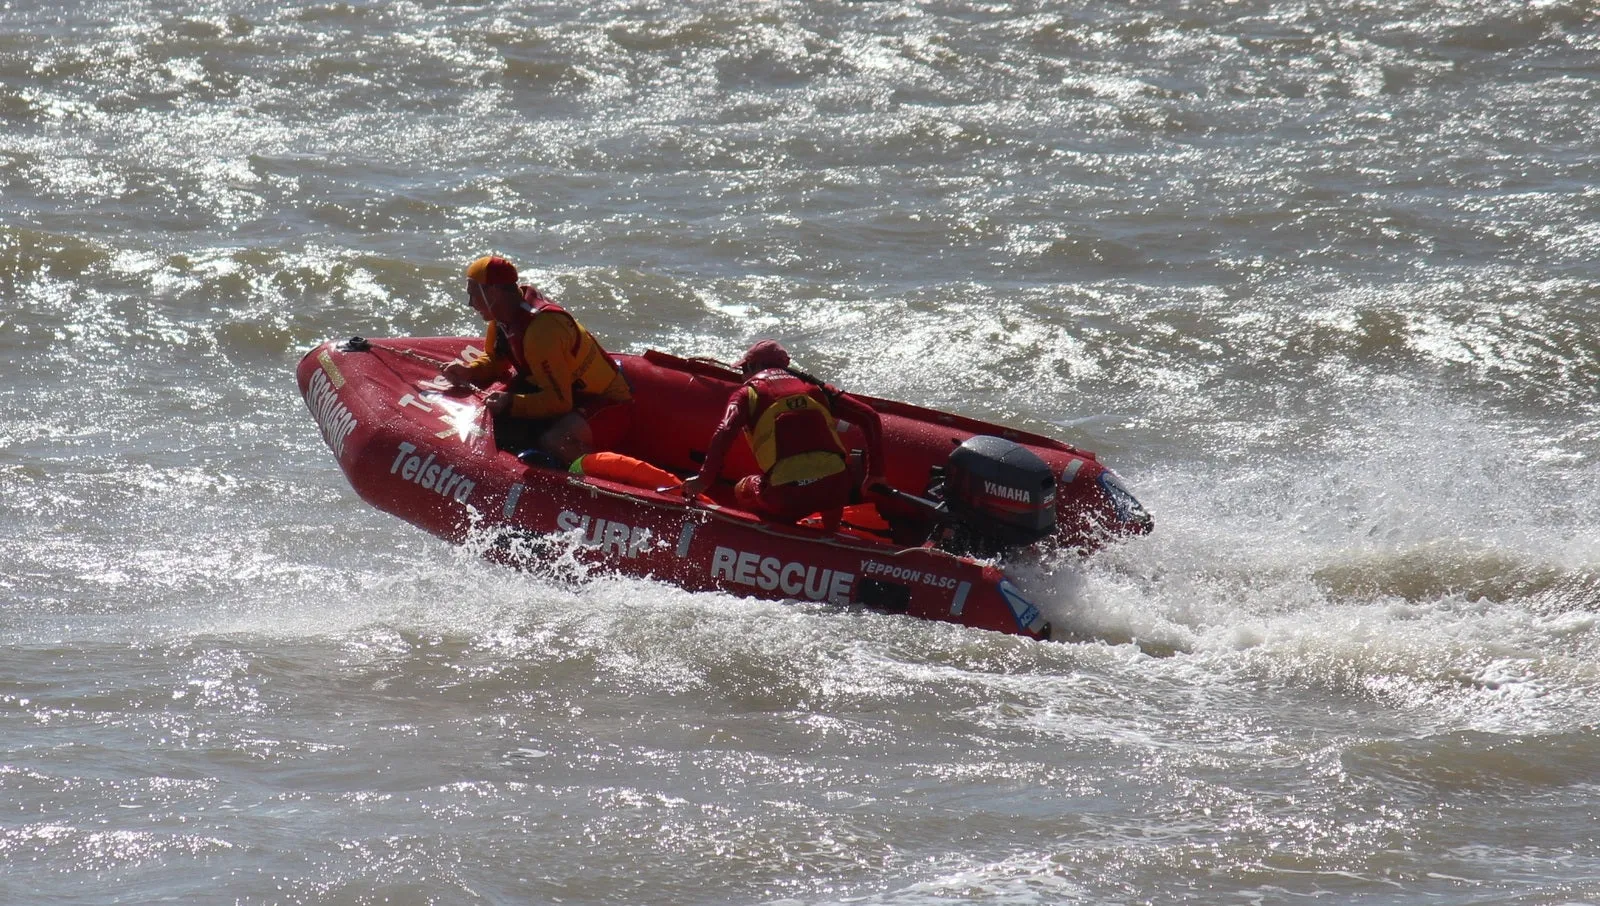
x: 963, y: 495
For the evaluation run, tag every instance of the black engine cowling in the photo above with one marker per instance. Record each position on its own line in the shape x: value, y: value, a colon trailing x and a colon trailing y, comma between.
x: 999, y: 496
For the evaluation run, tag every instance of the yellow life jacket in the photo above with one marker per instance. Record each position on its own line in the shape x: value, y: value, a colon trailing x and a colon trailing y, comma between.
x: 792, y: 429
x: 592, y: 370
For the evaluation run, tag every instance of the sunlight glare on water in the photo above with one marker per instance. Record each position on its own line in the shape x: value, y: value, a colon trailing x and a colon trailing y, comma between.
x: 1316, y: 281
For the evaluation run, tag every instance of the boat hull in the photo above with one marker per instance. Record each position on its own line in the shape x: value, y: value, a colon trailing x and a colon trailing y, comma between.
x: 414, y: 446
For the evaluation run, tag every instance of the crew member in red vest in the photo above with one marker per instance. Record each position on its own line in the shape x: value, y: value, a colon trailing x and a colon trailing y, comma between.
x: 791, y: 423
x: 565, y: 396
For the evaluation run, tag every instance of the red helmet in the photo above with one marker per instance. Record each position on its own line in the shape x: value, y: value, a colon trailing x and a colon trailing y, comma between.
x: 763, y: 355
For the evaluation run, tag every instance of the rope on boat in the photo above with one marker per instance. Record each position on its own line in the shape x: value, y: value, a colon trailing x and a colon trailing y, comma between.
x: 361, y: 344
x: 710, y: 360
x: 716, y: 511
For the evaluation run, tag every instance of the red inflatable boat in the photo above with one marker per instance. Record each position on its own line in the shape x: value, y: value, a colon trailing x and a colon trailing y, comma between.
x: 963, y: 494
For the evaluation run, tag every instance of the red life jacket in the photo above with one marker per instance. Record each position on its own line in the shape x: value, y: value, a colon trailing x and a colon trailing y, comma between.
x: 791, y: 428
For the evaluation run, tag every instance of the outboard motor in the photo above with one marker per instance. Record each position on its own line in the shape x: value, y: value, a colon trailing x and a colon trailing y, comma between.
x: 999, y: 496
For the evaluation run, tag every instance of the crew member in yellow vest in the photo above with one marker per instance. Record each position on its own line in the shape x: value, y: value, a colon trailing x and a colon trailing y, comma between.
x: 791, y: 421
x: 564, y: 395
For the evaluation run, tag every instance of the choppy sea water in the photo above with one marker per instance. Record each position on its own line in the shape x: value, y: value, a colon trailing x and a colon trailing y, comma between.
x: 1319, y: 280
